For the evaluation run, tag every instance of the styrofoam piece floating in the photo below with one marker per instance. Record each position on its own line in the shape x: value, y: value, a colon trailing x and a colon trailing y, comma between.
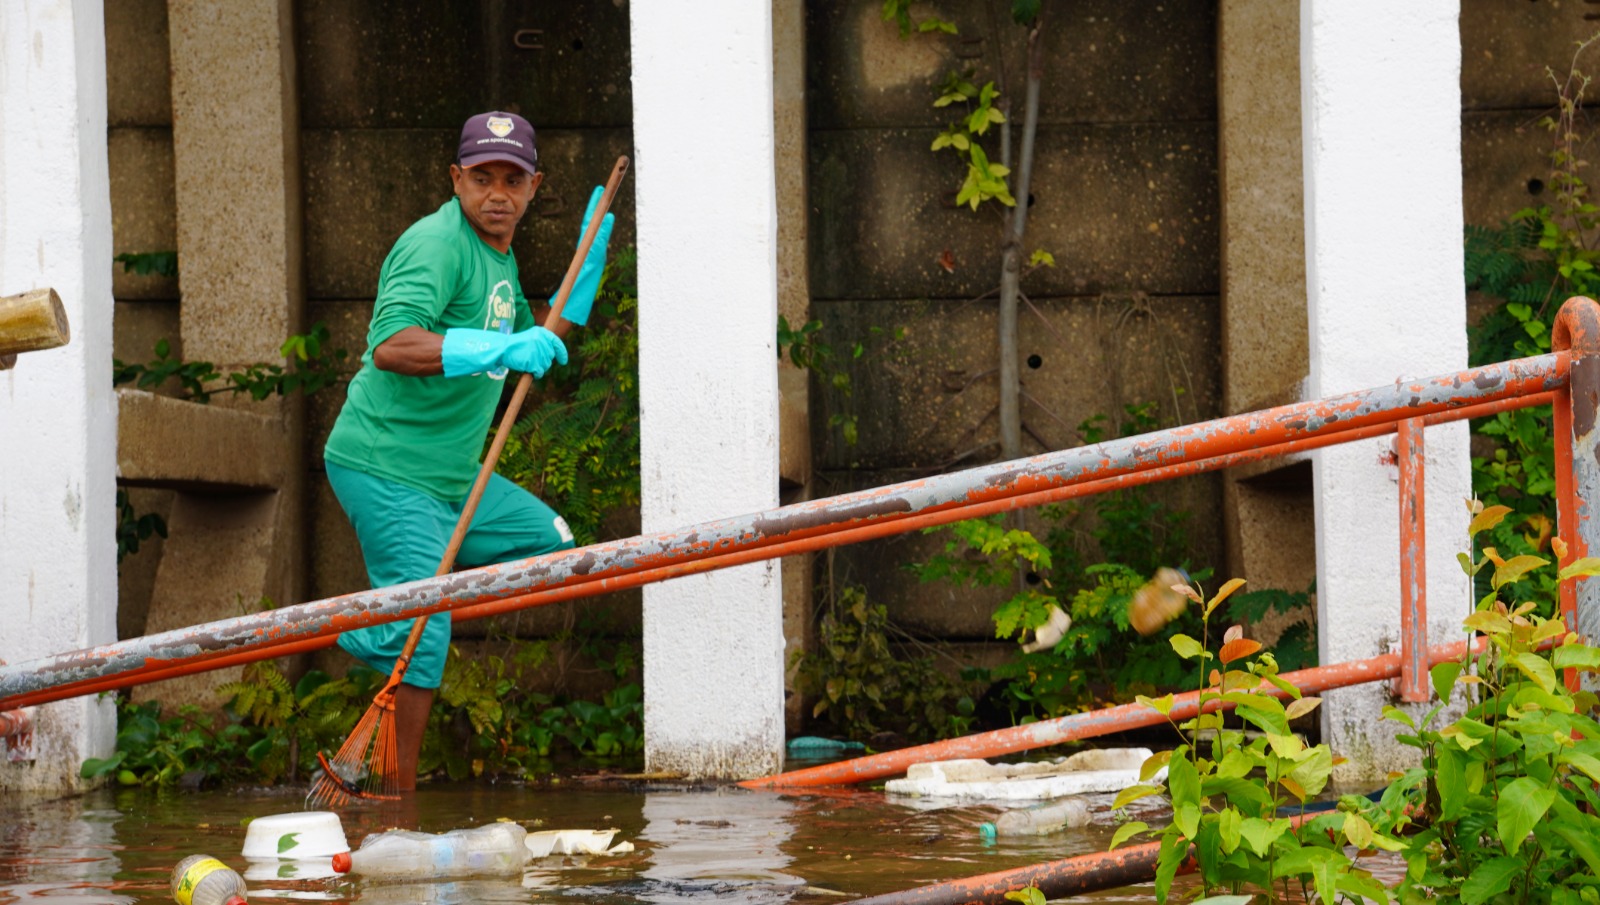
x: 1094, y: 770
x: 295, y: 836
x: 573, y: 842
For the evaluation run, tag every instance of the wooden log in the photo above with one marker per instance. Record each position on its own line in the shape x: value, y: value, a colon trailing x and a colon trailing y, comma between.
x: 31, y: 321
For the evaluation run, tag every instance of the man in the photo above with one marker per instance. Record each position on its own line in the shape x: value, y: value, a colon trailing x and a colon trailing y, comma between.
x: 449, y: 321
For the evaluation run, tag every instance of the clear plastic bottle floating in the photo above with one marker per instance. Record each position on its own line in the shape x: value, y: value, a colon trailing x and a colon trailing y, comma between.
x: 496, y: 849
x: 203, y: 880
x: 1039, y: 820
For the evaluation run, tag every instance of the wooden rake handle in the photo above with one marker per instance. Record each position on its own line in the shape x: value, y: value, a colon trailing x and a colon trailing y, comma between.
x: 504, y: 430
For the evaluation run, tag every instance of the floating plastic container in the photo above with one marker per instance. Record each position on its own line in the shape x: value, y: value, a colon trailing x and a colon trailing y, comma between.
x: 493, y: 850
x: 1039, y: 820
x: 203, y: 880
x: 296, y: 836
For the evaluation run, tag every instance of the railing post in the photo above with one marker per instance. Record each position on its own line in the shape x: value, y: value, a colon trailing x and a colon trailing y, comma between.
x: 1577, y: 409
x: 1412, y: 685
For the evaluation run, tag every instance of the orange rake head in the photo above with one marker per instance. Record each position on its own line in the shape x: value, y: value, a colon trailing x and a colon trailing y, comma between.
x: 366, y: 765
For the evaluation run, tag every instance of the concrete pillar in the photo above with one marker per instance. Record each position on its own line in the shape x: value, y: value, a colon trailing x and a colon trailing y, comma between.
x: 235, y: 135
x: 1381, y: 106
x: 1267, y: 508
x: 58, y: 421
x: 707, y: 222
x: 794, y: 303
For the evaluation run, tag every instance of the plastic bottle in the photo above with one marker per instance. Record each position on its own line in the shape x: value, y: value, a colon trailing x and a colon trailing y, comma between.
x: 496, y: 849
x: 203, y: 880
x: 1039, y: 820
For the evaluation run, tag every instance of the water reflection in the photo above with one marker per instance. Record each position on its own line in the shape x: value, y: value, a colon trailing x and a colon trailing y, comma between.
x: 727, y: 845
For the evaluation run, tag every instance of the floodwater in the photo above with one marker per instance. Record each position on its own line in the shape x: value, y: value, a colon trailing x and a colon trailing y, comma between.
x: 691, y: 845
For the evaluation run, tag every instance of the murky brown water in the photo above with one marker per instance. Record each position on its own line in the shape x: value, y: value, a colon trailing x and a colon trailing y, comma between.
x: 692, y: 845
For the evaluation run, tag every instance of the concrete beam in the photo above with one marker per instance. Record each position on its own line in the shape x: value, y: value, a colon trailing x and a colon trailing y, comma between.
x: 166, y: 442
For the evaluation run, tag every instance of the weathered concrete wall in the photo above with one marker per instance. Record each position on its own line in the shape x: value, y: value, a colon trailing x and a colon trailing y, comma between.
x: 58, y: 440
x: 1125, y: 197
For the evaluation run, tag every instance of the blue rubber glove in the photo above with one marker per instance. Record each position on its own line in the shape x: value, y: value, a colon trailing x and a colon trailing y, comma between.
x: 581, y: 300
x: 468, y: 351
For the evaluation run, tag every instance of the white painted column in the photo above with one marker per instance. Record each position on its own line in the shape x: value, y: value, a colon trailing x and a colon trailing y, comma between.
x: 58, y: 433
x: 707, y: 226
x: 1381, y: 108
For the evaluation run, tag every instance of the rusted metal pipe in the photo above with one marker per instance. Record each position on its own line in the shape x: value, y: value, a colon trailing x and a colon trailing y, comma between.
x: 1577, y: 334
x: 1413, y: 682
x: 1087, y: 725
x: 605, y: 565
x: 1056, y: 879
x: 168, y: 668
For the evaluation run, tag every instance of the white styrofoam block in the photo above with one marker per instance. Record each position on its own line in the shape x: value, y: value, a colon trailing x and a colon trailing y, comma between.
x: 1096, y: 770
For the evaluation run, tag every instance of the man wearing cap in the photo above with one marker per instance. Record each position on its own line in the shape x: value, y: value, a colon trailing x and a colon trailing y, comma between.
x: 449, y: 321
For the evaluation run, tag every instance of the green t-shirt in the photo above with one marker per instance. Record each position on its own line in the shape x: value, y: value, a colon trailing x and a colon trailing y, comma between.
x: 427, y: 432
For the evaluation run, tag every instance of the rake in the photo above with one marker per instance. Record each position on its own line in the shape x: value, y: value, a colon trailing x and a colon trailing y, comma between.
x: 366, y: 766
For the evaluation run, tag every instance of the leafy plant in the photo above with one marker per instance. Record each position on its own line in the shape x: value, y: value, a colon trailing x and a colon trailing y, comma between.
x: 806, y: 349
x: 1227, y: 787
x: 134, y: 528
x: 1505, y: 796
x: 160, y: 263
x: 1532, y: 263
x: 862, y: 687
x: 578, y: 449
x: 311, y: 368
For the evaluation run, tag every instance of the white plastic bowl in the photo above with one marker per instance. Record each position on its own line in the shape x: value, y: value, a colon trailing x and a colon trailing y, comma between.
x: 303, y: 834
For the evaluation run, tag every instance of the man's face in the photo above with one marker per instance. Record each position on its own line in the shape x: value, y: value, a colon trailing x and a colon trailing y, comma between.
x: 494, y: 196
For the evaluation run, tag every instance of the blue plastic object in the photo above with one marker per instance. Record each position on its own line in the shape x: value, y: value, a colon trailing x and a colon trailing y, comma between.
x: 580, y: 301
x: 466, y: 351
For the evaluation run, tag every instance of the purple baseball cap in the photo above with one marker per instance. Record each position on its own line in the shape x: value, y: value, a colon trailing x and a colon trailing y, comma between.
x: 497, y: 136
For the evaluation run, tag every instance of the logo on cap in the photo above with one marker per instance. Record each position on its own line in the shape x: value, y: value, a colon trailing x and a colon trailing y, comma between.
x: 500, y: 125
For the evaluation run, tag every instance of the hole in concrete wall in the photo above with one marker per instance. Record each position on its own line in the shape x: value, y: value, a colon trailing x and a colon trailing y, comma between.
x: 577, y: 43
x: 1035, y: 361
x: 1535, y: 186
x: 1032, y: 578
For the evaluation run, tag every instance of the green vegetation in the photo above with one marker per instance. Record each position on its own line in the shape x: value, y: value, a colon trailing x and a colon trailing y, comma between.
x: 578, y: 448
x: 484, y: 723
x: 1501, y: 809
x: 862, y: 688
x: 1530, y: 265
x: 1094, y: 557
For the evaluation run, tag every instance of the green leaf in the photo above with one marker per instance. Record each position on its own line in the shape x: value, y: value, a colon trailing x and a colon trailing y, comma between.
x: 1228, y: 822
x: 1259, y: 834
x: 1582, y: 840
x: 288, y: 841
x: 1127, y: 831
x: 1161, y: 705
x: 1490, y: 879
x: 1522, y: 803
x: 1024, y: 12
x: 1584, y: 567
x: 1183, y: 781
x: 1444, y: 677
x: 1174, y: 851
x: 1516, y: 567
x: 1187, y: 647
x: 1130, y: 794
x: 1535, y: 667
